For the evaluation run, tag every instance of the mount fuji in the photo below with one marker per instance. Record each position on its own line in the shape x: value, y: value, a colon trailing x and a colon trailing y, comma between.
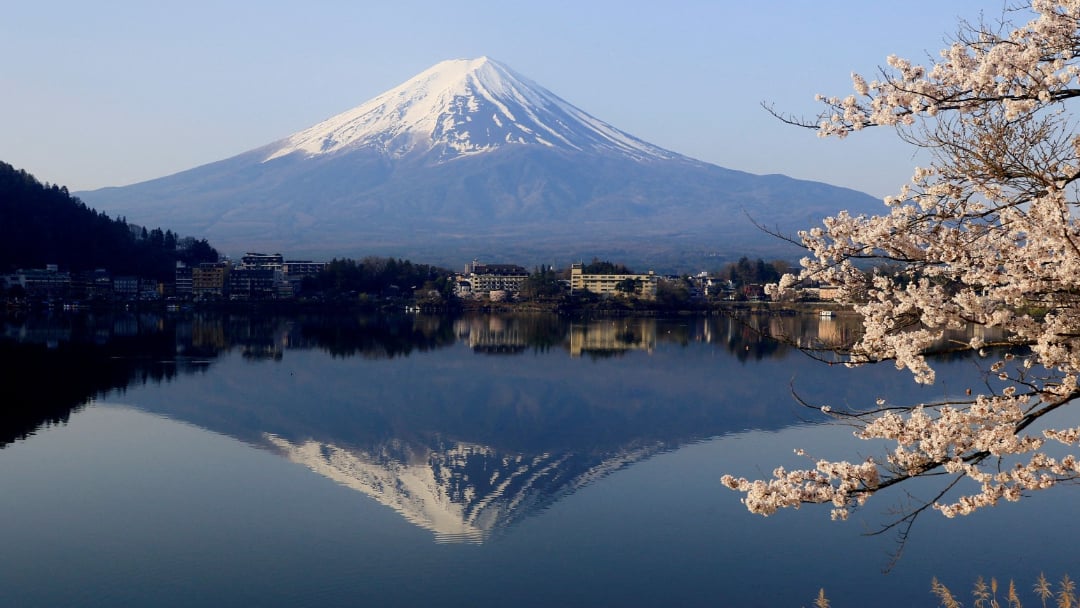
x: 471, y: 160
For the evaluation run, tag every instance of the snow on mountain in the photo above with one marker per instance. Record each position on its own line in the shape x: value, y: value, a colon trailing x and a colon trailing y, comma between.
x: 464, y: 107
x: 462, y: 492
x: 471, y: 160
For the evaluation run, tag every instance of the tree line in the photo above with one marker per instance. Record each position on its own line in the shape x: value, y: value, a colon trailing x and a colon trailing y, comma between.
x: 377, y: 276
x: 44, y: 224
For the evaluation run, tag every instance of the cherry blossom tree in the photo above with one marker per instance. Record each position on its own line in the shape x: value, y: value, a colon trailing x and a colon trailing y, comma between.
x: 985, y: 236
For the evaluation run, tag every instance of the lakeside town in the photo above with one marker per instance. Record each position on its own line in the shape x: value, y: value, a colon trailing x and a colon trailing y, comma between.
x: 384, y: 282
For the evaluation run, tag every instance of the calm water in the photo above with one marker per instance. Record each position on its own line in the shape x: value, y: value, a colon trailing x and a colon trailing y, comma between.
x: 488, y: 461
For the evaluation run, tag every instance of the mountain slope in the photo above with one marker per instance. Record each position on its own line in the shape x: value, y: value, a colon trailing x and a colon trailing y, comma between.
x: 469, y: 159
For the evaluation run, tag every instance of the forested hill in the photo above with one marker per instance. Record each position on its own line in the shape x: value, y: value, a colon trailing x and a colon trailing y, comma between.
x: 42, y: 224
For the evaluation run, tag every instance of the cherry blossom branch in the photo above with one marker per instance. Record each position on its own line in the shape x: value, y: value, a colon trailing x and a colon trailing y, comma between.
x: 986, y: 236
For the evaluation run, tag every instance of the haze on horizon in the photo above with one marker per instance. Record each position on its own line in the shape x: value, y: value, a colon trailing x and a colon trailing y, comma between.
x: 117, y: 93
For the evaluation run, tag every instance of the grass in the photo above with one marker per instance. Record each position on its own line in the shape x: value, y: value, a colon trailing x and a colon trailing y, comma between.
x: 991, y: 595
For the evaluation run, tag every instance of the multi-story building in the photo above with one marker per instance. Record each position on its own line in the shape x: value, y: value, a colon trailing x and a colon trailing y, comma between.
x: 91, y: 285
x: 486, y: 278
x: 253, y: 283
x: 48, y: 281
x: 209, y: 280
x: 644, y: 285
x: 302, y: 268
x: 268, y: 275
x: 183, y: 280
x: 126, y: 287
x: 273, y: 261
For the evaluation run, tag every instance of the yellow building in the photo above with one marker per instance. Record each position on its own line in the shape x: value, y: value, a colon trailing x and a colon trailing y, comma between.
x: 827, y: 293
x: 607, y: 284
x: 209, y: 279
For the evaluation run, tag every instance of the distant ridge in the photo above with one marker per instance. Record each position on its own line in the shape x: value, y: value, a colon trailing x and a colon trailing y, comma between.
x: 469, y: 159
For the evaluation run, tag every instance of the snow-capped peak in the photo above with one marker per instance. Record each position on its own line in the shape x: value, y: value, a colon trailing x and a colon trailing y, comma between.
x: 460, y: 107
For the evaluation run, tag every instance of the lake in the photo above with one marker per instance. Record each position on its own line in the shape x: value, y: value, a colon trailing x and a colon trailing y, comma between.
x: 518, y: 460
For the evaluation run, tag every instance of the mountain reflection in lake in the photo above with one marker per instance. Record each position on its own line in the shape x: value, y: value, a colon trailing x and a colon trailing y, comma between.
x: 476, y: 431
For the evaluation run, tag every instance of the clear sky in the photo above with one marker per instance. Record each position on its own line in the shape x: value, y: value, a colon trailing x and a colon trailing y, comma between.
x: 114, y: 92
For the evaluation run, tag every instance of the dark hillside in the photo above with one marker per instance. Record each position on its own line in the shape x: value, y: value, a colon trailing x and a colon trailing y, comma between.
x: 43, y: 224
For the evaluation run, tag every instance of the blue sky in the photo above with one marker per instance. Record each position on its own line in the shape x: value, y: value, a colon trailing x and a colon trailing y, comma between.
x: 114, y: 92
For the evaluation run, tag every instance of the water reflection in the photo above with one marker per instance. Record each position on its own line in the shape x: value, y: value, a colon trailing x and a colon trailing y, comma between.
x: 461, y: 445
x: 746, y: 336
x: 54, y: 365
x: 461, y: 492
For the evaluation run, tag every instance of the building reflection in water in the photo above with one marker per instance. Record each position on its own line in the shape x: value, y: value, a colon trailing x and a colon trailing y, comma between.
x: 516, y: 334
x: 493, y: 334
x: 612, y: 336
x: 815, y: 332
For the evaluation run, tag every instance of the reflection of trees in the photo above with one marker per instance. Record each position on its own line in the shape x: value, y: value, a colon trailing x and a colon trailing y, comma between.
x: 56, y: 364
x: 53, y: 366
x: 746, y: 339
x: 89, y: 354
x: 374, y: 337
x: 543, y: 331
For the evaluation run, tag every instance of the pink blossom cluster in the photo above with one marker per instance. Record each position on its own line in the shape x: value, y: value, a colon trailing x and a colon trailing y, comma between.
x: 841, y: 483
x: 985, y: 237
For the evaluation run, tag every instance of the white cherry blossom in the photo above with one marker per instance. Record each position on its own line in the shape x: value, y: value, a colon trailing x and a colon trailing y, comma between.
x: 985, y: 236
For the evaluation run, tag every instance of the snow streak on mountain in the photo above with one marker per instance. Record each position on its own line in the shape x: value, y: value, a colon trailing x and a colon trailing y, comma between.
x: 464, y: 107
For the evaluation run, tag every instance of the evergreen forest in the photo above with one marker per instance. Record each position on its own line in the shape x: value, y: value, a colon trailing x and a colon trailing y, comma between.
x: 43, y: 224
